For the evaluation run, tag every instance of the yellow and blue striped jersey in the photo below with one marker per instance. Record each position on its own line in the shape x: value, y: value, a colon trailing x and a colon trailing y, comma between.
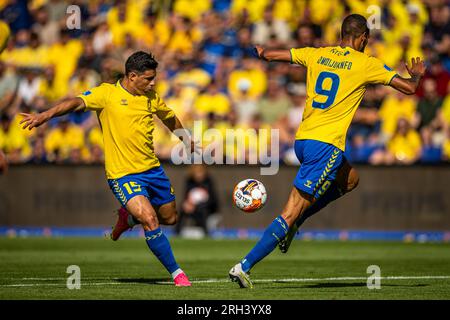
x: 336, y: 82
x: 127, y: 125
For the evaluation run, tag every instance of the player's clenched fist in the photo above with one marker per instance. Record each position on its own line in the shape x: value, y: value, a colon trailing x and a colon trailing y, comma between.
x: 31, y: 121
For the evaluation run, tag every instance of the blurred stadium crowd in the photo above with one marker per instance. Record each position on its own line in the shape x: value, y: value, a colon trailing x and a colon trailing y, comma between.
x: 207, y: 72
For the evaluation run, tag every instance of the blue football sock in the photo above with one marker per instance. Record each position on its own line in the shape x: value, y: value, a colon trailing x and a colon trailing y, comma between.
x: 333, y: 193
x: 160, y: 246
x: 273, y: 234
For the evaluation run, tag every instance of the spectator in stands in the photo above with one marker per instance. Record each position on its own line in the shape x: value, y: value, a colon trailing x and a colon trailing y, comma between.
x: 202, y: 42
x: 405, y: 145
x: 394, y: 107
x: 305, y: 36
x: 275, y: 103
x: 39, y: 155
x: 429, y: 106
x: 12, y: 141
x: 47, y: 30
x: 438, y: 29
x: 9, y: 82
x: 270, y: 26
x: 212, y: 101
x: 437, y: 73
x: 431, y: 151
x: 362, y: 147
x: 29, y: 86
x: 200, y: 199
x: 63, y: 139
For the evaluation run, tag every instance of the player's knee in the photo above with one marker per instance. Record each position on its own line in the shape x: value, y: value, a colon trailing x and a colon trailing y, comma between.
x: 171, y: 220
x: 150, y: 222
x: 353, y: 181
x: 148, y: 219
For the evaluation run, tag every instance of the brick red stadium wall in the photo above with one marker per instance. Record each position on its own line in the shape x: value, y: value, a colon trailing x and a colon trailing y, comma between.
x: 392, y: 198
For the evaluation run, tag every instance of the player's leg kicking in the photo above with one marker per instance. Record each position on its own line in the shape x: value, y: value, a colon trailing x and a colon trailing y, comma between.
x: 347, y: 180
x: 157, y: 242
x: 167, y: 212
x: 320, y: 164
x: 297, y: 203
x: 167, y: 216
x: 149, y: 200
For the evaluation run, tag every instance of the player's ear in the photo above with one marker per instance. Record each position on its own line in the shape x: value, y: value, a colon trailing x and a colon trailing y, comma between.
x: 363, y: 37
x: 132, y: 76
x: 364, y: 40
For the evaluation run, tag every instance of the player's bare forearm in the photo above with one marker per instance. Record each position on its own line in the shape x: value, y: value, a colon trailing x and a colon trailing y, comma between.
x: 410, y: 85
x: 66, y: 107
x: 273, y: 55
x: 31, y: 121
x: 175, y: 124
x: 405, y: 85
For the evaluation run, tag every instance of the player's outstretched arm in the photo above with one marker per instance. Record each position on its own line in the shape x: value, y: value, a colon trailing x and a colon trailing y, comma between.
x: 409, y: 86
x: 273, y: 55
x: 31, y: 121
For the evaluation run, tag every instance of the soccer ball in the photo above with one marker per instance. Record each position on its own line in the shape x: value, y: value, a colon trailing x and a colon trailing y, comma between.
x: 249, y: 195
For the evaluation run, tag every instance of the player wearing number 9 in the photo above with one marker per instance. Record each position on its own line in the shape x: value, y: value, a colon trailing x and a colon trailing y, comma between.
x: 336, y: 82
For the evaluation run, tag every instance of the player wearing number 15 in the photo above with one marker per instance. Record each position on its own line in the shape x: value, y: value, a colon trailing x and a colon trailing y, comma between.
x: 336, y: 82
x: 125, y: 110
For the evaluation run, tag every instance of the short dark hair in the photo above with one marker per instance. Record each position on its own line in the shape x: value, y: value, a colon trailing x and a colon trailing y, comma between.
x: 353, y: 26
x: 139, y: 62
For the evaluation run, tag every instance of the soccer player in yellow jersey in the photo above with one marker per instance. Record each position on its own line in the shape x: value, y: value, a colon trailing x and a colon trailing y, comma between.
x: 336, y: 81
x: 125, y: 111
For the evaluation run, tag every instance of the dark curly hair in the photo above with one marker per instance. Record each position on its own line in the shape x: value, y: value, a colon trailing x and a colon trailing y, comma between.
x: 139, y: 62
x: 353, y: 26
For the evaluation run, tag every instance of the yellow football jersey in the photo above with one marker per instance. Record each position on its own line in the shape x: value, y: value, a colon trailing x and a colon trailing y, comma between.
x: 127, y: 125
x: 336, y: 83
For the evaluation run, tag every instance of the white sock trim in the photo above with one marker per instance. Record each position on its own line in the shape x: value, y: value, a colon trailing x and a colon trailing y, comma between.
x: 176, y: 273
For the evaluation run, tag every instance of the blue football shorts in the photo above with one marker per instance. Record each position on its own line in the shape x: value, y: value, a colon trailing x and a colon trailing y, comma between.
x: 319, y: 165
x: 152, y: 184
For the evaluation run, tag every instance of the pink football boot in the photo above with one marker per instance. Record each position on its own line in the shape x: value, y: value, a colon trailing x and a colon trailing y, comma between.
x: 121, y: 225
x: 182, y: 280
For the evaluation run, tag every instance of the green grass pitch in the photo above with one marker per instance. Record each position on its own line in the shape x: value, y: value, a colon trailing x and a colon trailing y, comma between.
x: 35, y: 268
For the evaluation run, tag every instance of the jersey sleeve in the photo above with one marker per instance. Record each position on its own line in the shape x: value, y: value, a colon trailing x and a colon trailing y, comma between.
x: 95, y: 98
x: 378, y: 72
x: 161, y: 109
x: 302, y: 56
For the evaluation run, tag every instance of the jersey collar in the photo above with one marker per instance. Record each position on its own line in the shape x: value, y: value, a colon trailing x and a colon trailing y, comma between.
x: 346, y: 47
x: 118, y: 84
